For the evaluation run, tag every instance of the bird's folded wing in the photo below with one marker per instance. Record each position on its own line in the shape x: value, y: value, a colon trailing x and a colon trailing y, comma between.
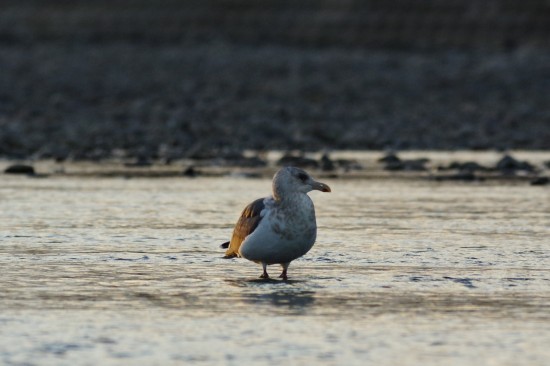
x: 248, y: 222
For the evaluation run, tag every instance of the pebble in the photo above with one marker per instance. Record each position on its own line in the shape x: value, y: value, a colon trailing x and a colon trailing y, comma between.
x: 20, y: 169
x: 540, y: 181
x: 509, y: 165
x: 327, y: 164
x: 190, y: 172
x: 469, y: 166
x: 394, y: 163
x: 390, y: 158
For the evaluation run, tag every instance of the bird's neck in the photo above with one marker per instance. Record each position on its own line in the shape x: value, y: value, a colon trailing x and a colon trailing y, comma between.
x: 277, y: 196
x: 289, y: 199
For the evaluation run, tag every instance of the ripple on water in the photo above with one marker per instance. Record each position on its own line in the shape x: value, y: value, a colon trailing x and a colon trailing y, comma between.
x: 398, y: 269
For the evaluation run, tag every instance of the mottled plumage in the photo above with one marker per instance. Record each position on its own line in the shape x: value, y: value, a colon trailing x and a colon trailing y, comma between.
x: 280, y: 228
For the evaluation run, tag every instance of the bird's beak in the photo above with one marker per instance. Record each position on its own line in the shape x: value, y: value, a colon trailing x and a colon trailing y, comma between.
x: 320, y: 187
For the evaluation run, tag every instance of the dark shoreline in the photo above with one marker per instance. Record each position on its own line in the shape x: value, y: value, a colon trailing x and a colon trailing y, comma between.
x: 486, y: 167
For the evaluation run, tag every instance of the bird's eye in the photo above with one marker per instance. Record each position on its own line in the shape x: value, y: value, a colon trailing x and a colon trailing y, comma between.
x: 303, y: 177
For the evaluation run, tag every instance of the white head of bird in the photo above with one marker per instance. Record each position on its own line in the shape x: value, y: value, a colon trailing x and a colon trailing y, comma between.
x: 290, y: 180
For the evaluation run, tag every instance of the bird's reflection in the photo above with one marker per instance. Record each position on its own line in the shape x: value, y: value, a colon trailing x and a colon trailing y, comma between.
x: 296, y: 302
x: 284, y: 295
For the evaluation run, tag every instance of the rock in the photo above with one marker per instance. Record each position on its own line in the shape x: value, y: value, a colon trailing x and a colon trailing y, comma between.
x: 509, y: 165
x: 394, y: 166
x: 407, y: 165
x: 540, y: 181
x: 327, y: 164
x: 390, y: 158
x: 190, y: 172
x: 20, y: 169
x: 469, y: 166
x: 349, y: 164
x: 394, y: 163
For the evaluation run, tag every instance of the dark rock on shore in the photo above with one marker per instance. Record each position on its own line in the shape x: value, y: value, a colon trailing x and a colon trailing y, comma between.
x: 469, y: 166
x: 349, y: 164
x: 407, y: 165
x: 327, y: 165
x: 394, y: 163
x: 390, y: 158
x: 20, y: 169
x: 506, y: 165
x: 510, y: 165
x: 190, y: 172
x: 540, y: 181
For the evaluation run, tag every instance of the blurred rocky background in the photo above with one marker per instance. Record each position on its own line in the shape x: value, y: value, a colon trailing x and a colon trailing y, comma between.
x: 171, y: 79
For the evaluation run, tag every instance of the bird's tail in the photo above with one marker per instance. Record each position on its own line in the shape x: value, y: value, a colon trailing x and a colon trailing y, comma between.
x: 227, y: 256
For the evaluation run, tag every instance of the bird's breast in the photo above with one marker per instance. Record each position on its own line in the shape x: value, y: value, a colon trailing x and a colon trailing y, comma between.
x: 295, y: 221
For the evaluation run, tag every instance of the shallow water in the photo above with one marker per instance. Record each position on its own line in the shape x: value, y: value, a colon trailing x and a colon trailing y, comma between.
x: 128, y: 271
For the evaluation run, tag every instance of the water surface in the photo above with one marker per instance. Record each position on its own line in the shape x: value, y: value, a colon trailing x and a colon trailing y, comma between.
x: 128, y: 271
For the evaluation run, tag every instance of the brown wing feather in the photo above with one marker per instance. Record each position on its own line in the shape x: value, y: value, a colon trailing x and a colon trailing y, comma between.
x: 248, y: 222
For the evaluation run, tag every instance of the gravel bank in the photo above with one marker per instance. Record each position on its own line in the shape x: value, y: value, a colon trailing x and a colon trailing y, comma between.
x: 120, y: 89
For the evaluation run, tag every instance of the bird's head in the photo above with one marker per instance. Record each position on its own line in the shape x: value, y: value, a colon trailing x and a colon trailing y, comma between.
x: 291, y: 179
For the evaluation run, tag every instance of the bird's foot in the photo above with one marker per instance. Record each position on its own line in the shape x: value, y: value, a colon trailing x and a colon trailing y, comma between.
x: 264, y: 275
x: 283, y: 275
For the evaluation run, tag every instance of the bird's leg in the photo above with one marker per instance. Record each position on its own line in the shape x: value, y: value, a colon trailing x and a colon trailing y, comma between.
x: 264, y: 275
x: 285, y: 267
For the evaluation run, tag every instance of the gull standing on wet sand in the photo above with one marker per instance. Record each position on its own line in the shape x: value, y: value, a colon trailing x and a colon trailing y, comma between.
x: 280, y: 228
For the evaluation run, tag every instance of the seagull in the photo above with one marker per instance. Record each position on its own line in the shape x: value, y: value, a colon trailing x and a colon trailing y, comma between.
x: 279, y: 228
